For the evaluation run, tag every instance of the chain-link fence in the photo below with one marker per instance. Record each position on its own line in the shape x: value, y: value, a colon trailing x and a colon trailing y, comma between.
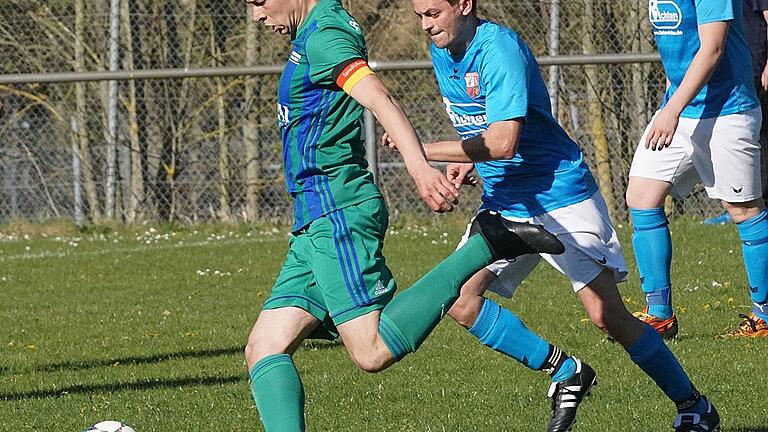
x: 192, y: 149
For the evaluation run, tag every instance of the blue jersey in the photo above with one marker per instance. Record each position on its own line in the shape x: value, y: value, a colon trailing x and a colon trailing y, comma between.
x: 676, y: 23
x: 498, y: 79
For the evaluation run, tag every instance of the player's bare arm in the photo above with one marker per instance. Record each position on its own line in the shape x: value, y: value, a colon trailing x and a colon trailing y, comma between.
x: 434, y: 188
x: 712, y: 37
x: 499, y: 141
x: 764, y: 75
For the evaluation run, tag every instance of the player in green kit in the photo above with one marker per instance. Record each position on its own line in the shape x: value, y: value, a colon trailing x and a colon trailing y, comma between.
x: 334, y: 280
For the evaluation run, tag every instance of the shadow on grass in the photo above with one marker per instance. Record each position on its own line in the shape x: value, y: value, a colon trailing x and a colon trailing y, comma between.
x: 745, y: 429
x: 115, y: 387
x: 74, y: 366
x: 138, y: 360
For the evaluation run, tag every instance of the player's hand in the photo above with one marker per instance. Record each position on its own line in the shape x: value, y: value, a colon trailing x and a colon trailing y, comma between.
x: 459, y: 174
x: 386, y: 141
x: 435, y: 189
x: 662, y: 130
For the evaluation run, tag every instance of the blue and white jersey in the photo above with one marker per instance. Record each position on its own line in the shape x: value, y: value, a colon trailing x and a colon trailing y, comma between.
x: 498, y: 79
x: 676, y: 23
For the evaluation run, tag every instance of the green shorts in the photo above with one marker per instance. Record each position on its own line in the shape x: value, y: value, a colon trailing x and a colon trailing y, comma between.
x: 335, y: 269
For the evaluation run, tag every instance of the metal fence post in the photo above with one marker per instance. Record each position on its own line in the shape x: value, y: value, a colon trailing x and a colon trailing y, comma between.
x: 114, y: 59
x: 371, y: 149
x: 554, y: 49
x: 76, y: 186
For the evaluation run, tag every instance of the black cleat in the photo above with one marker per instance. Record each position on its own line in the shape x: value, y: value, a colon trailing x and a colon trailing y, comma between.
x: 568, y: 395
x: 709, y: 421
x: 508, y: 239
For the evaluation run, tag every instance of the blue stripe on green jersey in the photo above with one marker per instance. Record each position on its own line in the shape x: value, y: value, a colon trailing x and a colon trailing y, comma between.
x: 341, y: 236
x: 345, y: 247
x: 308, y: 138
x: 346, y: 270
x: 284, y: 94
x: 355, y: 260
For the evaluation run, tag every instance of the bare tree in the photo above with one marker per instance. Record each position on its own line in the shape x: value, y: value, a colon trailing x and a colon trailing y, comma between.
x: 81, y: 110
x: 596, y: 116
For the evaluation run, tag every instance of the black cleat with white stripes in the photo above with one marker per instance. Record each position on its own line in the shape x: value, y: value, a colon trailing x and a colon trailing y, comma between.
x: 568, y: 395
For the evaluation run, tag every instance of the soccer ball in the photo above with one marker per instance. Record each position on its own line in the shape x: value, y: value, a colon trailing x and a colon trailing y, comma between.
x: 109, y: 426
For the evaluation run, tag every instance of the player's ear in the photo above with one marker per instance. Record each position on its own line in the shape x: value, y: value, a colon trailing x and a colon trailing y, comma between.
x: 467, y: 7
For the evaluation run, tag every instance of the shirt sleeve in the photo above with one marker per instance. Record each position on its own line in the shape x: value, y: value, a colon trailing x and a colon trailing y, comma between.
x: 504, y: 74
x: 709, y: 11
x: 336, y: 58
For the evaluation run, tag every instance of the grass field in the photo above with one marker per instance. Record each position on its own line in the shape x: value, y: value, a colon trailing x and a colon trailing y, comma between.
x: 148, y: 327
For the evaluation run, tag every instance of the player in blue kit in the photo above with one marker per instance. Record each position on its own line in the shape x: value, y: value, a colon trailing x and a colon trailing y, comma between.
x: 706, y: 130
x: 532, y: 171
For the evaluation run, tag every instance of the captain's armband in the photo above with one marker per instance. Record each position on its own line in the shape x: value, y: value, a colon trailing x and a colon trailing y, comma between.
x: 347, y: 74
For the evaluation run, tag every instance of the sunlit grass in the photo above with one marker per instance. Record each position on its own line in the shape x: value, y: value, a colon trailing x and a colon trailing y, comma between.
x: 147, y: 326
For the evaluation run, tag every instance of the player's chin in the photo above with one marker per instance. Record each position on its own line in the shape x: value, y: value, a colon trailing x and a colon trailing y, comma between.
x: 439, y: 43
x: 439, y: 39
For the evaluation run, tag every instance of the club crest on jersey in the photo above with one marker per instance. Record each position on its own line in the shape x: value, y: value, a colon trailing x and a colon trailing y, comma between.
x: 472, y: 79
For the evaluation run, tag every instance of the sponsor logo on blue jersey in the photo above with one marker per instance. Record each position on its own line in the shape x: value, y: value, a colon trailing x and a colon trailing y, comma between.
x: 467, y: 118
x: 665, y: 14
x: 665, y: 17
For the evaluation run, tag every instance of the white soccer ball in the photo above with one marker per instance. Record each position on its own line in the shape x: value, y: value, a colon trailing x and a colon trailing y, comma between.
x: 109, y: 426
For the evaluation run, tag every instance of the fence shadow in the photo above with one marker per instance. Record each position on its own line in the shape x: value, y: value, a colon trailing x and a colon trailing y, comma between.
x: 74, y: 366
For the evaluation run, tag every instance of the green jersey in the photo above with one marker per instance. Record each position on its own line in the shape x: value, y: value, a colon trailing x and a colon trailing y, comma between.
x: 320, y: 124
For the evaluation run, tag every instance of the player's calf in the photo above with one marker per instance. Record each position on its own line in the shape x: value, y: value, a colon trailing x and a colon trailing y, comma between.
x: 606, y: 310
x: 467, y: 307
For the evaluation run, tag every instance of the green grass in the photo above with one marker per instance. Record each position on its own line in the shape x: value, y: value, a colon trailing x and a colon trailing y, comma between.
x: 140, y: 327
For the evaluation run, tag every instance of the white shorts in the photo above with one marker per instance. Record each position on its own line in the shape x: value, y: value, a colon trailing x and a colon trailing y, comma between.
x: 721, y: 152
x: 591, y: 245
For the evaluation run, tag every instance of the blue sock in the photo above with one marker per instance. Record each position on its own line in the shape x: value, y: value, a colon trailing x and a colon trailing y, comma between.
x: 503, y: 331
x: 653, y: 252
x: 754, y: 236
x: 657, y: 361
x: 565, y: 371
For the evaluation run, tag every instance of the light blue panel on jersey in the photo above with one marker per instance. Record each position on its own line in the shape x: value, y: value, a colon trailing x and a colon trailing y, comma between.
x: 498, y: 79
x: 676, y: 24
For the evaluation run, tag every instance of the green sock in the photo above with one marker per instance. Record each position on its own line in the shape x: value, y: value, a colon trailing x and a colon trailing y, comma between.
x: 409, y: 318
x: 278, y: 393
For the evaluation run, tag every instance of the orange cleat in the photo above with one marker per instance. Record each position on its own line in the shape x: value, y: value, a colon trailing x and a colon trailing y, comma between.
x: 752, y: 326
x: 667, y: 328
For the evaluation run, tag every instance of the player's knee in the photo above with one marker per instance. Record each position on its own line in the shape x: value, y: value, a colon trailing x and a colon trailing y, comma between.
x: 742, y: 211
x: 644, y: 195
x: 257, y: 348
x: 631, y: 197
x: 463, y: 312
x: 372, y: 362
x: 600, y: 319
